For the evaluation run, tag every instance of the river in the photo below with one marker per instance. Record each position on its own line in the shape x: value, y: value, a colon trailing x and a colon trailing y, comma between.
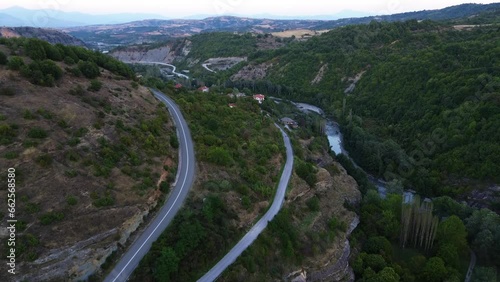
x: 335, y: 140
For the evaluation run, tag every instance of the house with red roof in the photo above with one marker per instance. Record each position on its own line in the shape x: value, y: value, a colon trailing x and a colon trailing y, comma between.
x: 259, y: 97
x: 204, y: 89
x: 178, y: 86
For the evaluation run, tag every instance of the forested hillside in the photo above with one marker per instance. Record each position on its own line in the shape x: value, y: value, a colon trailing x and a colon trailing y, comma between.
x: 418, y: 100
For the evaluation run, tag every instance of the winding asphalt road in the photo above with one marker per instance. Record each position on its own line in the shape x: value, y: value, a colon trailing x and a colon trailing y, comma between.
x: 174, y: 68
x: 205, y: 66
x: 248, y: 239
x: 184, y: 180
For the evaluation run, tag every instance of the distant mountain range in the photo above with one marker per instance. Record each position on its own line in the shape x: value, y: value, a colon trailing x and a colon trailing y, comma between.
x: 18, y: 16
x: 108, y: 34
x: 146, y: 31
x: 340, y: 15
x: 50, y: 35
x: 448, y: 13
x: 48, y: 18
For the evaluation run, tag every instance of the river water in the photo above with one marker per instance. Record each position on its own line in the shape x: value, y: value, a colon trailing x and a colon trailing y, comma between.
x: 332, y: 130
x: 335, y: 141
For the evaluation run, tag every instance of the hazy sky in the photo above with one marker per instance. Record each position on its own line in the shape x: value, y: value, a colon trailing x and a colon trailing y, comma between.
x: 183, y: 8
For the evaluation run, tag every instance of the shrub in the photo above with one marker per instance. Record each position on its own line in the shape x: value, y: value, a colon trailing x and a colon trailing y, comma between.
x: 15, y: 63
x: 34, y: 48
x: 313, y: 204
x: 246, y: 202
x: 32, y: 208
x: 104, y: 202
x: 95, y: 85
x: 71, y: 200
x: 89, y: 69
x: 51, y: 217
x: 72, y: 156
x: 7, y: 134
x: 7, y: 91
x: 71, y: 173
x: 37, y: 133
x: 174, y: 142
x: 75, y: 71
x: 62, y: 123
x: 219, y: 156
x: 307, y: 172
x: 27, y: 114
x: 69, y: 61
x: 29, y: 143
x: 164, y: 187
x: 45, y: 113
x: 80, y: 132
x: 32, y: 240
x: 49, y: 67
x: 43, y: 73
x: 74, y: 141
x: 44, y: 160
x: 3, y: 58
x: 11, y: 155
x: 77, y: 91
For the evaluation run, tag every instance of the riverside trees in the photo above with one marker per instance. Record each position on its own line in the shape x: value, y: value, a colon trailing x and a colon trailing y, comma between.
x: 418, y: 223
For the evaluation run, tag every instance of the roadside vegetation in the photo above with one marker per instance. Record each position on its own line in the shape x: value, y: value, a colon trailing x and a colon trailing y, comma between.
x: 239, y: 153
x: 313, y: 220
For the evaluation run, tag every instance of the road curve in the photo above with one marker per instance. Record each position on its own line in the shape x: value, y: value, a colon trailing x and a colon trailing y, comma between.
x: 174, y: 68
x: 185, y: 177
x: 248, y: 239
x: 205, y: 66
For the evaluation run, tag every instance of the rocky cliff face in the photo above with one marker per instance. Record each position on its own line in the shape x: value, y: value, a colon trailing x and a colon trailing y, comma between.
x: 164, y: 54
x: 50, y: 35
x: 334, y: 188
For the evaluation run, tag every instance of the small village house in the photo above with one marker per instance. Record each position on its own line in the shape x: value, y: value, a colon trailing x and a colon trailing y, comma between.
x: 204, y: 89
x: 259, y: 97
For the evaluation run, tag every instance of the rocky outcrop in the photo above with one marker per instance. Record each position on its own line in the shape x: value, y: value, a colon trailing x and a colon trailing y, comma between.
x: 76, y: 262
x: 50, y: 35
x: 252, y: 72
x: 354, y: 80
x: 167, y: 54
x: 162, y: 55
x: 319, y: 76
x: 334, y: 187
x: 340, y: 269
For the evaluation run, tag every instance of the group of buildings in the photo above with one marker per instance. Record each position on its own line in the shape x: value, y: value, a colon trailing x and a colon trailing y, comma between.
x: 257, y: 97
